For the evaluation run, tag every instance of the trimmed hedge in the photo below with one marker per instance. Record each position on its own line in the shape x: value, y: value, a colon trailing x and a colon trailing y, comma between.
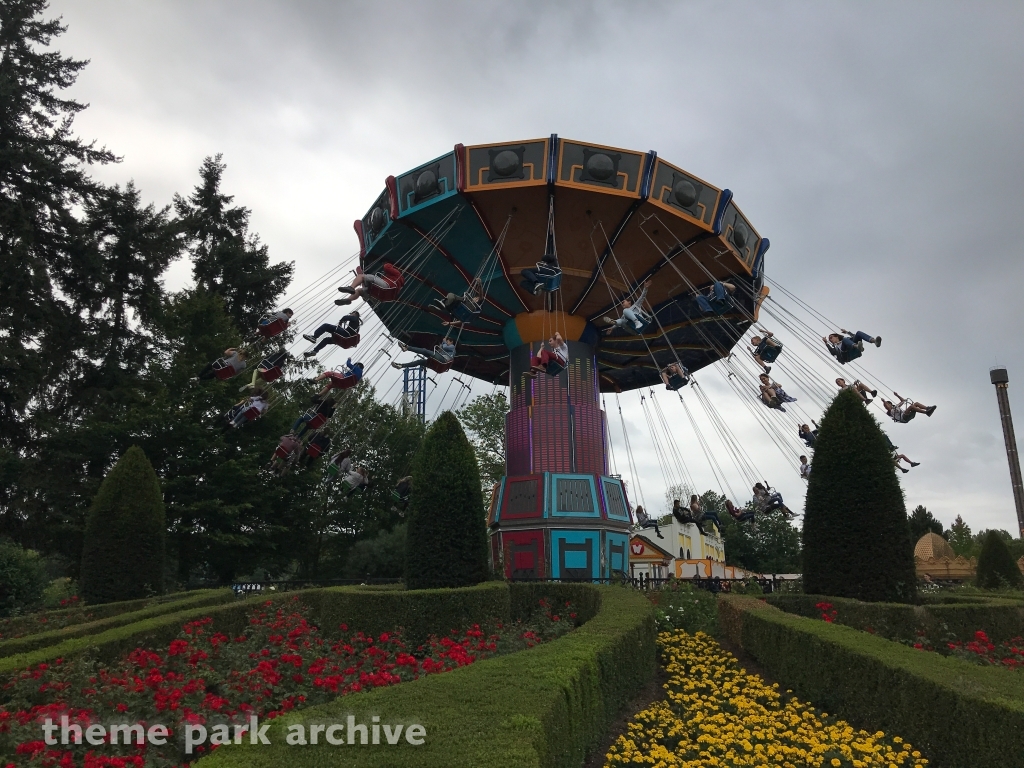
x: 30, y: 624
x: 958, y: 714
x: 1000, y: 619
x: 55, y: 636
x: 548, y: 706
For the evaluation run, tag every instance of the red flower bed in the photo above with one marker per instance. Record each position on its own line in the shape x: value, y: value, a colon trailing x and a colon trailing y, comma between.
x: 280, y: 663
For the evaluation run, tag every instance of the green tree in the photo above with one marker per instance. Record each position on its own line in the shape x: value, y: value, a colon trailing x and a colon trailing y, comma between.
x: 43, y: 180
x: 123, y: 545
x: 227, y: 259
x: 960, y: 538
x: 447, y: 536
x: 380, y: 557
x: 921, y: 522
x: 772, y: 545
x: 996, y: 566
x: 484, y: 421
x: 856, y: 537
x: 23, y: 578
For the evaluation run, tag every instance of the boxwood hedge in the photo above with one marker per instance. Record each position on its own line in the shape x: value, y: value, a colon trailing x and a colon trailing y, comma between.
x: 958, y: 714
x: 1001, y: 619
x: 547, y: 706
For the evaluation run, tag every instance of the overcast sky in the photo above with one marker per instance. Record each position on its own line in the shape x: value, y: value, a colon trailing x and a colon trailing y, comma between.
x: 878, y: 145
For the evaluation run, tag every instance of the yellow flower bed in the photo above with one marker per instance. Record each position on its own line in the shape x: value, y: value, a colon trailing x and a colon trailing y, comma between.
x: 718, y: 715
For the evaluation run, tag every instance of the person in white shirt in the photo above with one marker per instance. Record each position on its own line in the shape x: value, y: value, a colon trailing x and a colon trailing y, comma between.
x: 906, y: 409
x: 805, y: 468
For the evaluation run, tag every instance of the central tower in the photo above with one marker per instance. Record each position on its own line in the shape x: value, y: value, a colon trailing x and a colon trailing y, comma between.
x: 556, y: 513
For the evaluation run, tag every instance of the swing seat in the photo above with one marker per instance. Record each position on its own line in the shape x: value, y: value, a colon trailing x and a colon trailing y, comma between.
x: 342, y: 381
x: 641, y: 323
x: 314, y: 451
x: 555, y: 366
x: 399, y: 497
x: 268, y: 327
x: 463, y: 313
x: 851, y: 354
x: 551, y: 278
x: 675, y: 381
x: 252, y: 414
x: 384, y: 294
x: 437, y: 366
x: 345, y: 341
x: 283, y: 451
x: 223, y: 371
x: 317, y: 421
x: 270, y: 373
x: 771, y: 353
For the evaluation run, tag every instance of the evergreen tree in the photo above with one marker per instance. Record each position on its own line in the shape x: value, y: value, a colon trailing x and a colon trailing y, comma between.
x: 447, y: 537
x: 123, y: 546
x: 42, y: 180
x: 921, y: 522
x: 226, y: 258
x: 996, y: 566
x: 856, y: 537
x: 960, y: 537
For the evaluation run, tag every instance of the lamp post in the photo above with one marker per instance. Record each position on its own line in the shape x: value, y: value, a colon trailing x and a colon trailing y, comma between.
x: 1002, y: 380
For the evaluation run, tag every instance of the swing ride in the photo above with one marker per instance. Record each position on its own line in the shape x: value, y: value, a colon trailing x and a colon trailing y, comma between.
x: 568, y: 272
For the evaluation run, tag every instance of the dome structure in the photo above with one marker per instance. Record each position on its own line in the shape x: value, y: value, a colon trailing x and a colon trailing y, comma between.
x: 931, y: 545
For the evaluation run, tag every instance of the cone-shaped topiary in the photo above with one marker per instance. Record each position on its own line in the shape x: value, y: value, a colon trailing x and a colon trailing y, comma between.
x: 996, y: 567
x: 446, y: 541
x: 123, y: 544
x: 856, y: 536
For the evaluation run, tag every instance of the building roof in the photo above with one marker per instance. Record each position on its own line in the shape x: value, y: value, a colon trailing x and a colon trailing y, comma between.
x: 931, y: 545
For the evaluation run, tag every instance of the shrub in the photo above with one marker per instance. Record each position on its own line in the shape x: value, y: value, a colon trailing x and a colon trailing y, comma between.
x: 680, y: 606
x: 60, y: 593
x: 996, y: 567
x: 123, y: 543
x: 447, y: 537
x: 22, y: 578
x: 856, y: 536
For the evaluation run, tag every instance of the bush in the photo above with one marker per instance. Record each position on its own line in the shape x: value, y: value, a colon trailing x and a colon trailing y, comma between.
x: 123, y: 542
x: 680, y: 606
x: 446, y: 542
x: 996, y: 568
x: 23, y: 578
x: 381, y: 557
x: 60, y: 593
x: 856, y: 537
x: 958, y: 714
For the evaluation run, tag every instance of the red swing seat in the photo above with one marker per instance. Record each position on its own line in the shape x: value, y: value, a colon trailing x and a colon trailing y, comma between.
x: 314, y: 451
x: 284, y: 450
x: 252, y: 414
x: 318, y: 420
x: 271, y: 328
x: 270, y: 373
x: 341, y: 381
x: 343, y: 341
x: 223, y: 371
x: 384, y: 294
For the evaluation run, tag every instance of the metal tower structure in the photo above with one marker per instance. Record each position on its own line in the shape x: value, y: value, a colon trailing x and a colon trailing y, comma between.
x: 1001, y: 380
x: 414, y: 391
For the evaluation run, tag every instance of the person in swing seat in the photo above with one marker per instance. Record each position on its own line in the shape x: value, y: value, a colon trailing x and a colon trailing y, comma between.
x: 347, y: 327
x: 444, y: 353
x: 906, y: 409
x: 643, y: 521
x: 846, y: 347
x: 391, y: 277
x: 557, y: 352
x: 633, y: 316
x: 766, y: 349
x: 862, y: 389
x: 675, y: 376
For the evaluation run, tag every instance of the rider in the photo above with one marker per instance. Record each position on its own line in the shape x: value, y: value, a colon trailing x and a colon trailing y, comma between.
x: 807, y: 434
x: 340, y: 379
x: 444, y: 354
x: 284, y: 316
x: 357, y: 479
x: 700, y: 514
x: 534, y: 280
x: 392, y: 278
x: 718, y: 298
x: 323, y: 408
x: 317, y: 445
x: 675, y: 376
x: 401, y: 493
x: 632, y: 312
x: 286, y: 447
x: 643, y: 520
x: 906, y: 409
x: 739, y: 515
x: 846, y: 347
x: 767, y: 499
x: 347, y: 327
x: 471, y: 299
x: 268, y: 363
x: 805, y: 468
x: 557, y: 352
x: 766, y: 349
x: 862, y: 389
x: 233, y: 359
x: 774, y: 386
x: 239, y: 414
x: 897, y: 457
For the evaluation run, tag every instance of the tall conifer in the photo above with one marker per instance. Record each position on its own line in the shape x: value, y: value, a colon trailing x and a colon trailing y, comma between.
x: 446, y: 542
x: 123, y: 547
x: 856, y: 536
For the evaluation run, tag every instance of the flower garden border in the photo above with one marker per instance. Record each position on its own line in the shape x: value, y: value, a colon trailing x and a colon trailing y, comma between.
x: 959, y: 714
x: 1002, y: 619
x: 27, y: 643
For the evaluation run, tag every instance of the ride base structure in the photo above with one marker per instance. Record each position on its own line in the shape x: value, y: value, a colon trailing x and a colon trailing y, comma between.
x: 616, y: 219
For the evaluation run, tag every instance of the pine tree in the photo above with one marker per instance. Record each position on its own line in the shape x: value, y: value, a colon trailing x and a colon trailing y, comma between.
x: 226, y: 258
x: 123, y: 546
x: 996, y: 567
x: 921, y: 522
x: 446, y: 542
x: 42, y: 180
x: 960, y: 538
x: 856, y: 537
